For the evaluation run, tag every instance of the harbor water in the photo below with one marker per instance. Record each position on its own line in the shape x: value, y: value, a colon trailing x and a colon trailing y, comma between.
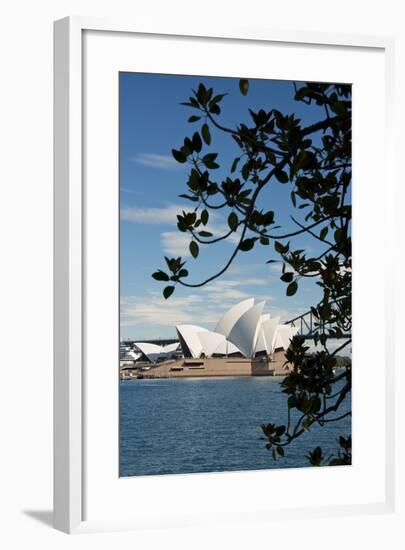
x: 210, y: 425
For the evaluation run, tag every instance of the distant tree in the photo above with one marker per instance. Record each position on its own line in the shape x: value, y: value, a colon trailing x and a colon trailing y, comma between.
x: 315, y: 162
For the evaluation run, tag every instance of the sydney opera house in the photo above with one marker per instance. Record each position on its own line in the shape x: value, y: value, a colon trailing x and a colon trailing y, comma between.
x: 244, y: 331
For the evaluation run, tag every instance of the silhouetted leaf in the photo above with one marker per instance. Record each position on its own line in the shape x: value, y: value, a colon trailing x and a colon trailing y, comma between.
x: 291, y: 402
x: 160, y: 276
x: 197, y: 143
x: 194, y: 249
x: 233, y: 221
x: 323, y: 233
x: 292, y: 288
x: 216, y: 99
x: 280, y: 431
x: 180, y: 157
x: 243, y: 86
x: 338, y: 235
x: 280, y: 248
x: 287, y: 277
x: 313, y: 458
x: 281, y: 176
x: 215, y: 109
x: 246, y: 245
x: 205, y: 132
x: 209, y: 159
x: 191, y: 103
x: 204, y: 217
x: 235, y: 164
x: 168, y: 291
x: 336, y: 462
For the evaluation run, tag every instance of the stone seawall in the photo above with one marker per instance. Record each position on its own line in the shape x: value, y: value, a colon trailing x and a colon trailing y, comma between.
x: 214, y: 366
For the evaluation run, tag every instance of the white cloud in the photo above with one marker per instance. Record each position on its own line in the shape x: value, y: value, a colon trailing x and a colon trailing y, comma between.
x: 245, y: 270
x: 153, y: 160
x: 200, y: 308
x: 219, y: 229
x: 285, y: 314
x: 220, y: 285
x: 255, y: 281
x: 153, y: 310
x: 203, y: 306
x: 175, y: 243
x: 278, y: 267
x: 164, y: 215
x: 225, y: 294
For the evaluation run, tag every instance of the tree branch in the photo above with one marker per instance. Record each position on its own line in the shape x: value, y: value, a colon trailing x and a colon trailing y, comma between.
x: 212, y: 241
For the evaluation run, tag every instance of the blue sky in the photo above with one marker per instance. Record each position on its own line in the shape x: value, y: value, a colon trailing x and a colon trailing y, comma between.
x: 152, y: 123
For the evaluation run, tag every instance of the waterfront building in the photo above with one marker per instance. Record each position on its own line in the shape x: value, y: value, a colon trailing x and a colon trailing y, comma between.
x: 243, y: 330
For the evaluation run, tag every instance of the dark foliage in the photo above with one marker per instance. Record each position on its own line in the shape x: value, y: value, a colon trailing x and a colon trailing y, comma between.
x: 315, y: 162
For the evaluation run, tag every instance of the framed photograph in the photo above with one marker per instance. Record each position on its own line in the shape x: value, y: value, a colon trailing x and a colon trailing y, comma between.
x: 210, y: 248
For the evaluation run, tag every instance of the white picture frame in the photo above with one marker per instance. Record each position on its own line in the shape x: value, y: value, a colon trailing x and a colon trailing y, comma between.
x: 71, y: 203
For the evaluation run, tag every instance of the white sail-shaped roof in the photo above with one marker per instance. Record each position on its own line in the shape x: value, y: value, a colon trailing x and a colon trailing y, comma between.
x: 278, y: 342
x: 245, y: 331
x: 284, y: 336
x: 228, y: 320
x: 261, y: 344
x: 152, y: 351
x: 269, y: 329
x: 170, y: 348
x: 226, y: 348
x: 189, y: 333
x: 231, y: 348
x: 210, y: 341
x: 260, y: 340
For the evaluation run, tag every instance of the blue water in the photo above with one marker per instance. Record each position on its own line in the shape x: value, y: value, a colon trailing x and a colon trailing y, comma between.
x: 172, y: 426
